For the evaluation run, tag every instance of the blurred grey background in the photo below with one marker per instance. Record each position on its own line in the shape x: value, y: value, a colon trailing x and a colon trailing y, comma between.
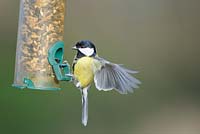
x: 159, y: 38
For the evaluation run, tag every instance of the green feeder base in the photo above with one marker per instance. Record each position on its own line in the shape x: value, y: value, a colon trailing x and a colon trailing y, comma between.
x: 30, y: 85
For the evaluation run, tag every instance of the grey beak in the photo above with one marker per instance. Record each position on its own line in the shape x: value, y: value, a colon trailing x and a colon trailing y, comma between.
x: 74, y: 48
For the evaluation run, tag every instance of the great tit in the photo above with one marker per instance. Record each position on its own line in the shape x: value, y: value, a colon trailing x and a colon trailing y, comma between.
x: 88, y: 67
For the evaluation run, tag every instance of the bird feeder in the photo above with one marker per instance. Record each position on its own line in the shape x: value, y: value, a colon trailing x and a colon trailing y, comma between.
x: 39, y: 54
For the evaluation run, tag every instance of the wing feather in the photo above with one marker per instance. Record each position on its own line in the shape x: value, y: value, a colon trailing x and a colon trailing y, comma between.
x: 113, y: 76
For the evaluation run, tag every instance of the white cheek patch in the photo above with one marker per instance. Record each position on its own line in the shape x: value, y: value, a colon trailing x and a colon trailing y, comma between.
x: 87, y: 51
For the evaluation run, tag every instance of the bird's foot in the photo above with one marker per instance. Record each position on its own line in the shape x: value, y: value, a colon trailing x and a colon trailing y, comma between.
x: 70, y: 75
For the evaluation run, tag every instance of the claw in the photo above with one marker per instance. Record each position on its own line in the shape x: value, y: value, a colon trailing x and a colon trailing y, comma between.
x: 69, y: 75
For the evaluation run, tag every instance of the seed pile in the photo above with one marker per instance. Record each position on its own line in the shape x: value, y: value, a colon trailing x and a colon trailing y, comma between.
x: 41, y: 25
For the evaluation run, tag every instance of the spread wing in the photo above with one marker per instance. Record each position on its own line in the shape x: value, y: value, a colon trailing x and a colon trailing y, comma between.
x: 110, y: 76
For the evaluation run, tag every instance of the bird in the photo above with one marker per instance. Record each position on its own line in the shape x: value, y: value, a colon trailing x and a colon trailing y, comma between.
x: 88, y: 67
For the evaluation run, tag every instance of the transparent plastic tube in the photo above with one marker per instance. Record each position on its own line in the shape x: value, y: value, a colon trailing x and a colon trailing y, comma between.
x: 41, y: 25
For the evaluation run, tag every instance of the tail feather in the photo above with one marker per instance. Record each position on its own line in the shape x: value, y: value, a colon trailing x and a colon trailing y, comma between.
x: 84, y: 106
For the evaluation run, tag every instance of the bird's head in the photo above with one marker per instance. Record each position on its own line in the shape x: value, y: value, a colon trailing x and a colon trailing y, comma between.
x: 85, y: 48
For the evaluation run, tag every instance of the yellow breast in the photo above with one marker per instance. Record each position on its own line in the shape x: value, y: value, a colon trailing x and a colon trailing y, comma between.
x: 83, y: 71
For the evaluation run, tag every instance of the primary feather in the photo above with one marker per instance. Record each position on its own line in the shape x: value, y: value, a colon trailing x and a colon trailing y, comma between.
x: 110, y: 76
